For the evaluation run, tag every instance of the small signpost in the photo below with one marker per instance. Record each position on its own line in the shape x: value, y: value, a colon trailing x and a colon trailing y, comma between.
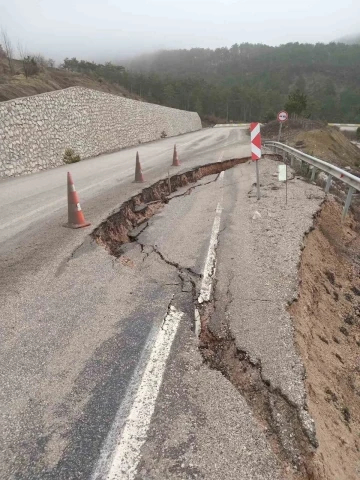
x: 282, y: 116
x: 256, y: 151
x: 282, y: 172
x: 283, y: 177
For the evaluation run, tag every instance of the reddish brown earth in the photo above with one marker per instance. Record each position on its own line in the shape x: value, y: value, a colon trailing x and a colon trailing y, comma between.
x: 327, y: 330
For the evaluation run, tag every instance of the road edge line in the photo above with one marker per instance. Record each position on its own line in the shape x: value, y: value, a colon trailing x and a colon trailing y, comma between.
x: 210, y: 263
x: 126, y: 456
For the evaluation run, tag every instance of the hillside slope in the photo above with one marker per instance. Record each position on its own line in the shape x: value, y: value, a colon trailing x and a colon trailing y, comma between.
x: 317, y: 139
x: 49, y: 79
x: 330, y: 145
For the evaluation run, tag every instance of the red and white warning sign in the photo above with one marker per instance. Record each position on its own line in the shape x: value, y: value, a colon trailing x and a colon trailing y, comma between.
x: 282, y: 116
x: 255, y: 141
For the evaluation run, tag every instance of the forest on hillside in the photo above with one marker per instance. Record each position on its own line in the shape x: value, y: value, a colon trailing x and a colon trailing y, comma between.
x: 247, y: 82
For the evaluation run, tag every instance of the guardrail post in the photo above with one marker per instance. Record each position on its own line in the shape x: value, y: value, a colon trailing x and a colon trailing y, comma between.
x: 313, y: 173
x: 291, y: 161
x: 347, y: 202
x: 328, y: 183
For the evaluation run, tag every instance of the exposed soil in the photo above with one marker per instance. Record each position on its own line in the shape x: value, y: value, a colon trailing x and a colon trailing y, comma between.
x: 270, y: 130
x: 318, y: 139
x: 327, y: 331
x: 328, y: 144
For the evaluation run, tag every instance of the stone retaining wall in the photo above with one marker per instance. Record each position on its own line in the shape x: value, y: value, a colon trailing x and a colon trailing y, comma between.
x: 36, y: 130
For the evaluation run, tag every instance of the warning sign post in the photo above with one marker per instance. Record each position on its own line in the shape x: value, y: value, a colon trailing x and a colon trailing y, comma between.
x: 282, y: 116
x: 256, y: 151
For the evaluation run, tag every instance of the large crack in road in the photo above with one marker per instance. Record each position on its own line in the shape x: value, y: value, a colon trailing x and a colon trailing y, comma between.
x: 119, y: 227
x: 278, y: 417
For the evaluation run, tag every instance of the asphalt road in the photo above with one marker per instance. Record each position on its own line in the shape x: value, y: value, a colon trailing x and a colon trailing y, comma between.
x: 29, y: 199
x: 34, y: 207
x: 101, y: 372
x: 77, y: 325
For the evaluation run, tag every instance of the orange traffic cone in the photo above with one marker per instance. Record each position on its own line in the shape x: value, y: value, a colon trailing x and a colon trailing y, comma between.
x: 176, y: 161
x: 139, y: 178
x: 75, y: 215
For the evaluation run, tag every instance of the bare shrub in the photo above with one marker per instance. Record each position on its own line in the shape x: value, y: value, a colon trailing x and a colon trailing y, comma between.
x: 44, y: 62
x: 30, y: 66
x: 70, y: 156
x: 8, y: 48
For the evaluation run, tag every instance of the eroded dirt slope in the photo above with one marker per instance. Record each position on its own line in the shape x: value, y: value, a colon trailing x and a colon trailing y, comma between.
x: 330, y: 145
x: 318, y: 139
x: 326, y: 320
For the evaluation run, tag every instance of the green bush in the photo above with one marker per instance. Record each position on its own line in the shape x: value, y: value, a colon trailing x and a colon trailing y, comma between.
x: 296, y: 102
x: 269, y: 116
x: 70, y: 157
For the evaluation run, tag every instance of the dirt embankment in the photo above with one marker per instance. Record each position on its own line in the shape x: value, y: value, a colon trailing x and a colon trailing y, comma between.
x: 49, y: 79
x: 327, y: 329
x: 318, y: 139
x: 292, y: 127
x: 330, y: 145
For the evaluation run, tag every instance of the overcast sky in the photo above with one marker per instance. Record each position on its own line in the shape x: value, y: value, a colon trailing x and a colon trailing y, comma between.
x: 113, y: 29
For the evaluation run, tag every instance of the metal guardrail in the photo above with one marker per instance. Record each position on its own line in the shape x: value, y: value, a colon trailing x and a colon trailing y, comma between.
x: 333, y: 172
x: 353, y: 125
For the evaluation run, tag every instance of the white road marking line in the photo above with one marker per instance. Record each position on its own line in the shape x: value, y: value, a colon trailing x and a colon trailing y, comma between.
x: 126, y: 456
x: 210, y: 263
x: 221, y: 156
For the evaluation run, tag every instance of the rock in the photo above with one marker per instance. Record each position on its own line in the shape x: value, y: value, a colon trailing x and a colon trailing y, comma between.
x: 140, y: 208
x: 256, y: 215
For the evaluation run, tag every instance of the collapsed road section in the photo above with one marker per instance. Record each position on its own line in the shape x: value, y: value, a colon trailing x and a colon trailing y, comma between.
x: 246, y: 331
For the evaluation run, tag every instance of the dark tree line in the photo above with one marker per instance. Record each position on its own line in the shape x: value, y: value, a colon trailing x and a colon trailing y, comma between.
x: 189, y: 93
x: 245, y: 82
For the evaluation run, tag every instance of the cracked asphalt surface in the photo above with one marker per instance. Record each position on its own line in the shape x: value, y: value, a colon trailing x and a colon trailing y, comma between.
x: 79, y: 323
x: 265, y: 251
x: 211, y: 431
